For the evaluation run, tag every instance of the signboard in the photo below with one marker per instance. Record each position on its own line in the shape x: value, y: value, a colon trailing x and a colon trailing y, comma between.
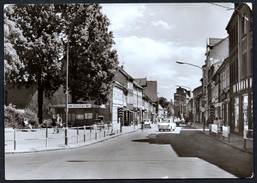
x: 225, y: 131
x: 79, y: 106
x: 214, y: 128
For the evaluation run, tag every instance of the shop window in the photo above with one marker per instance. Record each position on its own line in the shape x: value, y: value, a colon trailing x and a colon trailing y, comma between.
x: 236, y: 112
x: 88, y: 115
x: 245, y: 108
x: 79, y: 116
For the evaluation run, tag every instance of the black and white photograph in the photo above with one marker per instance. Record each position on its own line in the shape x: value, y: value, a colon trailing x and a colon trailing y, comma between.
x: 128, y: 91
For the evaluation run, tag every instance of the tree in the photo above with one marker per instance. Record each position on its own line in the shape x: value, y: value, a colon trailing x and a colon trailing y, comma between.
x: 12, y: 62
x: 92, y: 61
x: 43, y: 31
x: 163, y: 102
x: 39, y: 48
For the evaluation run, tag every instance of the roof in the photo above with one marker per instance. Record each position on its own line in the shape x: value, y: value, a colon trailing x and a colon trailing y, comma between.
x: 125, y: 73
x: 141, y: 81
x: 214, y: 41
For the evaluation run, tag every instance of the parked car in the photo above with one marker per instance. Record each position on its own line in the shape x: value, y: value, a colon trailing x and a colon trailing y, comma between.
x: 166, y: 124
x: 147, y: 123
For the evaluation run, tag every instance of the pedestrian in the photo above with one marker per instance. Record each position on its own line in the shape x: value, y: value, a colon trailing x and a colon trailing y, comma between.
x: 59, y: 122
x: 54, y: 123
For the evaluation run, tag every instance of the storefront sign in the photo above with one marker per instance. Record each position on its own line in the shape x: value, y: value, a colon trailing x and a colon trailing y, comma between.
x: 79, y: 105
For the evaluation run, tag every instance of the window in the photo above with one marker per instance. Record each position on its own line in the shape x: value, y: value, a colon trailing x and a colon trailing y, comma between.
x: 243, y: 24
x: 244, y: 65
x: 79, y: 116
x: 88, y: 115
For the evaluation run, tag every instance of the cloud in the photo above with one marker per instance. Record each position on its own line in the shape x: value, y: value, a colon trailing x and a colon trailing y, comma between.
x: 162, y: 24
x: 124, y: 16
x: 151, y: 37
x: 156, y: 60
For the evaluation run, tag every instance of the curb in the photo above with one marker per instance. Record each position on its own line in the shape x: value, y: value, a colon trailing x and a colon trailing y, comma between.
x: 75, y: 146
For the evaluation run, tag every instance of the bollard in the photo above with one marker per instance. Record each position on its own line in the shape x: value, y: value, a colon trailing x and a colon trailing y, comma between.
x: 46, y: 137
x: 14, y: 139
x: 66, y: 136
x: 77, y: 135
x: 96, y: 135
x: 84, y: 133
x: 104, y: 133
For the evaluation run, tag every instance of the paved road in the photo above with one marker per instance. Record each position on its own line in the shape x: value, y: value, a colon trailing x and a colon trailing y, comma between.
x: 123, y: 157
x: 193, y: 143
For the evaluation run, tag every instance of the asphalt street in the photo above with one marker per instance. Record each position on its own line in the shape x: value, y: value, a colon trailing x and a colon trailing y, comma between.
x: 193, y: 143
x: 137, y: 155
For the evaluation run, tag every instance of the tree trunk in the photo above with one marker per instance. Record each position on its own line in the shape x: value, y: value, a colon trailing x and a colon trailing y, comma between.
x: 40, y: 99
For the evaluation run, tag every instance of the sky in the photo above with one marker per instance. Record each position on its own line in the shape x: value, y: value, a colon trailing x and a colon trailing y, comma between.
x: 150, y: 38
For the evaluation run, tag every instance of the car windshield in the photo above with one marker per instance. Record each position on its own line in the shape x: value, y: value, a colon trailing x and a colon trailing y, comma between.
x: 166, y: 121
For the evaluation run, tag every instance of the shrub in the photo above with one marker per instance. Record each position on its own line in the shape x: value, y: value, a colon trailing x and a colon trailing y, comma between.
x: 32, y: 116
x: 14, y: 119
x: 47, y: 123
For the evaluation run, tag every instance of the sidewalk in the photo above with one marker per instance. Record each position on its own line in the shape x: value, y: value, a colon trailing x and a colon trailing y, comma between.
x: 235, y: 140
x: 35, y: 141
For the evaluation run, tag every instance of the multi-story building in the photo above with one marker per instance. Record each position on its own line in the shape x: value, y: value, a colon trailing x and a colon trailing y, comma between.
x: 240, y: 33
x: 127, y: 94
x: 197, y: 93
x: 223, y: 76
x: 216, y: 53
x: 180, y: 103
x: 150, y: 98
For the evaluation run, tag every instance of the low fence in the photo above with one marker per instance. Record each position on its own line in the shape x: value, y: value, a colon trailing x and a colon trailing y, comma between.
x: 19, y: 139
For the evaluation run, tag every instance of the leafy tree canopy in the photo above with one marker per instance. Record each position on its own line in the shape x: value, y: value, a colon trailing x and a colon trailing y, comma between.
x: 92, y: 61
x: 35, y: 39
x: 163, y: 102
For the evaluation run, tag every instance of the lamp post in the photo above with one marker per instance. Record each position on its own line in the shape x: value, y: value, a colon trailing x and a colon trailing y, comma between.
x: 181, y: 62
x: 186, y: 63
x: 67, y: 90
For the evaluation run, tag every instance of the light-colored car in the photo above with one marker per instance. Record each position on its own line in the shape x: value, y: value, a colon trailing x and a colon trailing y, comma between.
x: 167, y: 124
x: 147, y: 123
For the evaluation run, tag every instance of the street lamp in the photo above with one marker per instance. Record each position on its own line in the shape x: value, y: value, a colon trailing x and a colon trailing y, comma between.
x: 67, y: 90
x: 181, y: 62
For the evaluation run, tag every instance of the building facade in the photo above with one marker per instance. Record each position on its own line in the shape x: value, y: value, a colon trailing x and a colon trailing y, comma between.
x: 216, y: 53
x: 239, y: 29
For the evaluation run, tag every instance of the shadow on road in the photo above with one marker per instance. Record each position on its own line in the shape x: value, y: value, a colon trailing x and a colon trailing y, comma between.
x: 197, y: 144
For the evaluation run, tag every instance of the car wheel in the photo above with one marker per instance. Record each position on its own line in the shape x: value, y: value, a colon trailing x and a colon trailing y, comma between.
x: 159, y: 130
